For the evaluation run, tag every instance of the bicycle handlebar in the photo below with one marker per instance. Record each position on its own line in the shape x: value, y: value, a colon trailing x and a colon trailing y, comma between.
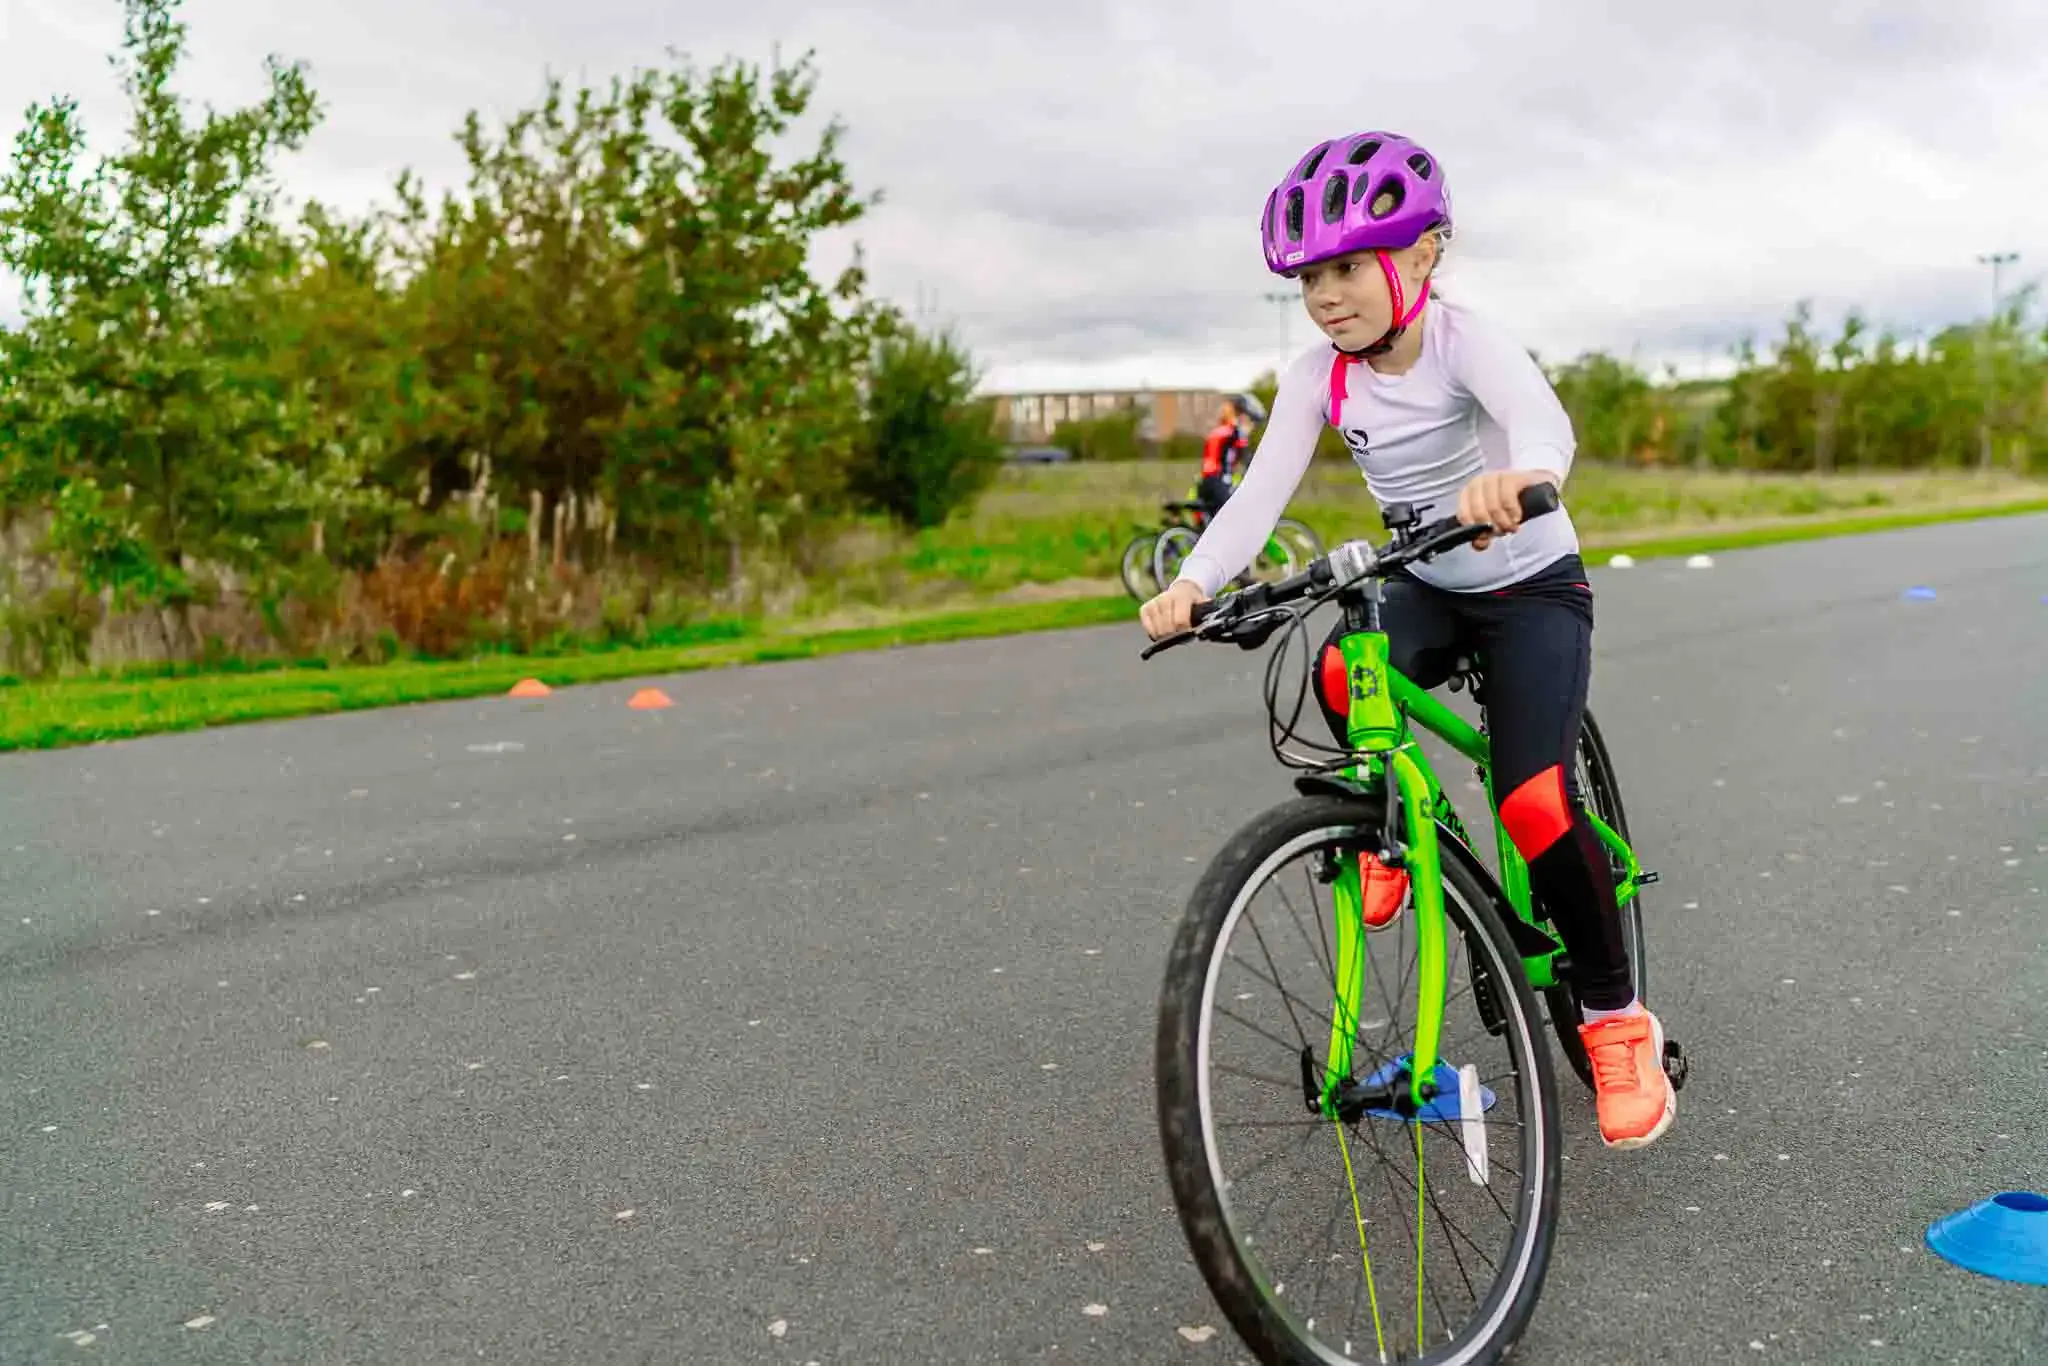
x: 1344, y: 565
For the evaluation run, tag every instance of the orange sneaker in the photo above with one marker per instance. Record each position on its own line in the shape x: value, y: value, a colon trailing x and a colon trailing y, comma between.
x: 1635, y: 1099
x: 1381, y: 890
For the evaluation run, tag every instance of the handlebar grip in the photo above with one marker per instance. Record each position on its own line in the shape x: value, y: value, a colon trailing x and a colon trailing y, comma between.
x: 1537, y: 499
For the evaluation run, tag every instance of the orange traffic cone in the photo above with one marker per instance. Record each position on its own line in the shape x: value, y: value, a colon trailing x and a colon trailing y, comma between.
x: 529, y: 687
x: 650, y: 699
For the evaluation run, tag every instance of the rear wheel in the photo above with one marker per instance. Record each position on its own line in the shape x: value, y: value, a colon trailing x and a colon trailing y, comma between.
x: 1302, y: 543
x: 1602, y: 792
x: 1286, y: 552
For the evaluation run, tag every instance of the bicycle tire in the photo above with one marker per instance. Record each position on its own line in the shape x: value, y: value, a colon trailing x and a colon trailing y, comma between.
x: 1603, y: 794
x: 1164, y: 568
x: 1137, y: 557
x: 1237, y: 870
x: 1302, y: 533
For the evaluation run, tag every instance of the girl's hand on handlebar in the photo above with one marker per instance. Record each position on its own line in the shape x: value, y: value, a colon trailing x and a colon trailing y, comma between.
x: 1171, y: 611
x: 1494, y: 498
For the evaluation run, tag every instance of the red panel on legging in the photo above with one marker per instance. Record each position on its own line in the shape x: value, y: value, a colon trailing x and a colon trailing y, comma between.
x: 1536, y: 814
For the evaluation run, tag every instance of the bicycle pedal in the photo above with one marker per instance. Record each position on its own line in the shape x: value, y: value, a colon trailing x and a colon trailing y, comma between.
x: 1646, y: 877
x: 1675, y: 1065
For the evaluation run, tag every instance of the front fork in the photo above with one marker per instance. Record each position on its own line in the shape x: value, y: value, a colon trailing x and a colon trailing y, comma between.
x: 1379, y: 732
x: 1419, y: 856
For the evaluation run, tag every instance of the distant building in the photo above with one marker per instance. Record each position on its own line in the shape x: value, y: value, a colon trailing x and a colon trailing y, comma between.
x: 1025, y: 418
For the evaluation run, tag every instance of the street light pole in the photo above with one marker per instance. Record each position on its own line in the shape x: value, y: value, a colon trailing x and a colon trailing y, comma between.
x: 1997, y: 260
x: 1284, y: 299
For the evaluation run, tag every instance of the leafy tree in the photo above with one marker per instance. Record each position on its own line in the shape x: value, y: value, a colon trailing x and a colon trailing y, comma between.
x: 134, y: 404
x: 1610, y: 404
x: 617, y: 312
x: 931, y: 446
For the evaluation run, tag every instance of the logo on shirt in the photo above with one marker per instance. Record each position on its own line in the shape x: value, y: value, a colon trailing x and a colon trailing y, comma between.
x: 1359, y: 442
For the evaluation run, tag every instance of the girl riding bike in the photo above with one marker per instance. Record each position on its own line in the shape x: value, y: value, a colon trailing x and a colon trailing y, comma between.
x: 1441, y: 410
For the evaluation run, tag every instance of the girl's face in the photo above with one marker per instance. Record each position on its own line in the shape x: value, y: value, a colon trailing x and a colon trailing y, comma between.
x: 1347, y: 296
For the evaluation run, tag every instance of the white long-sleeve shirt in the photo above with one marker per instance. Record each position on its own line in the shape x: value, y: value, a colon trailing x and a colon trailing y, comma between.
x: 1474, y: 401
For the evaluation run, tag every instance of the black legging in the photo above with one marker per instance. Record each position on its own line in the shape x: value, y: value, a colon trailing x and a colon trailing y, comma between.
x: 1212, y: 492
x: 1537, y: 640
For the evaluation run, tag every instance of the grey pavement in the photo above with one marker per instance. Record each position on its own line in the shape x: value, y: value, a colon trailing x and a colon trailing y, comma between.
x: 811, y: 1019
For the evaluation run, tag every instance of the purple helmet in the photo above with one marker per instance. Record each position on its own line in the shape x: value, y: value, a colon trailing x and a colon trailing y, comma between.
x: 1368, y: 191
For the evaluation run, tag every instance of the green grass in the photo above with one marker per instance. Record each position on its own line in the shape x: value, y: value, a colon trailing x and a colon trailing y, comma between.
x: 1035, y: 528
x: 1054, y: 523
x: 46, y: 716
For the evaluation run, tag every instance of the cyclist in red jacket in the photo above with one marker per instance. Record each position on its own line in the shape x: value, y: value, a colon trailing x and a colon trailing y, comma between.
x: 1223, y: 450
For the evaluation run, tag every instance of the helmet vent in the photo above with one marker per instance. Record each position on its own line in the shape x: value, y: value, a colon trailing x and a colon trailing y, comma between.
x: 1420, y: 164
x: 1333, y: 196
x: 1365, y: 151
x: 1388, y: 198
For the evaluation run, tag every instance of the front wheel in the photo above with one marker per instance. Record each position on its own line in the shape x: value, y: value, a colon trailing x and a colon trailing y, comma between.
x: 1312, y: 1255
x: 1137, y: 563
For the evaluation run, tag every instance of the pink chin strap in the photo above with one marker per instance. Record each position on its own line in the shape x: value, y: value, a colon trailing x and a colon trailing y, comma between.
x: 1403, y: 316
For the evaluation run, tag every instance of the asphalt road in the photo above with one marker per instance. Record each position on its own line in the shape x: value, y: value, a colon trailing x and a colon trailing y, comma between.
x: 810, y: 1020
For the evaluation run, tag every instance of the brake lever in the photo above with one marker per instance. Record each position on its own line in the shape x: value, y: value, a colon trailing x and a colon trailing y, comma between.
x: 1167, y: 643
x: 1222, y: 621
x: 1463, y: 534
x: 1253, y: 632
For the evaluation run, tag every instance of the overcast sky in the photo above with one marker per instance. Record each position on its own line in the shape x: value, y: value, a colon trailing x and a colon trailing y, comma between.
x: 1077, y: 183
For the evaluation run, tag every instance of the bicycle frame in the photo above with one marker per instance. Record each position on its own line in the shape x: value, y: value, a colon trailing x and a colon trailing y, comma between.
x: 1383, y: 703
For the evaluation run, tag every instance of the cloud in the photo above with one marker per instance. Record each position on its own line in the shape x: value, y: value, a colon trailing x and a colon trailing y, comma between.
x: 1077, y: 183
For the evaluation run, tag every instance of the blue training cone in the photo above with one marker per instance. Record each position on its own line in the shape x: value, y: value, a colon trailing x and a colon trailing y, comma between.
x: 1919, y: 593
x: 2005, y: 1237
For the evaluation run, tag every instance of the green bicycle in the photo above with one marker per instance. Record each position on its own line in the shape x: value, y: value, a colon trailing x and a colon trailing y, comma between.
x: 1461, y: 1114
x: 1140, y: 581
x: 1151, y: 558
x: 1287, y: 551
